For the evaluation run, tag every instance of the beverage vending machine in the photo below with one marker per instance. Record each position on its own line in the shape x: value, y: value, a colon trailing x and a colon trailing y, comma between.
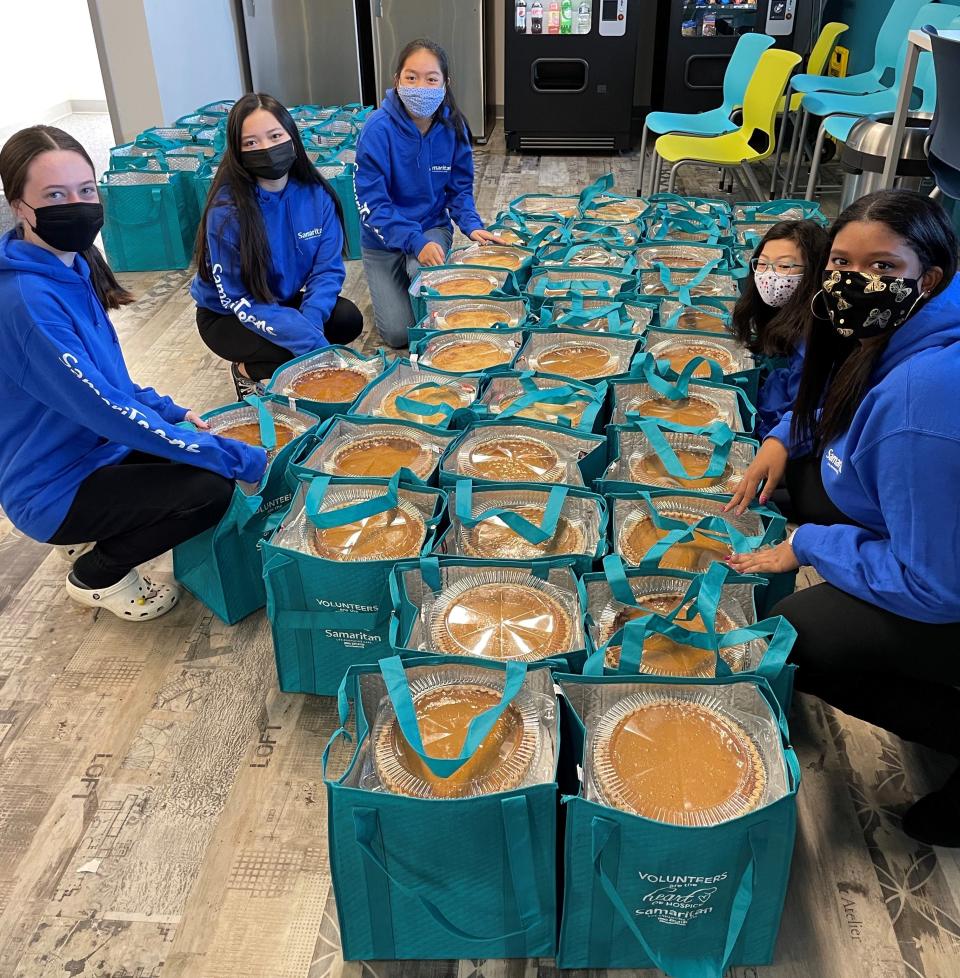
x: 570, y: 72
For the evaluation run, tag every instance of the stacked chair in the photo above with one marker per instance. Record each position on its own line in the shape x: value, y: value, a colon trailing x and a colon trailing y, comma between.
x: 531, y: 501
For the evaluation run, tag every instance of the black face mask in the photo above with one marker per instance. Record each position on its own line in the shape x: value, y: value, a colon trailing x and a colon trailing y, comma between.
x: 863, y: 306
x: 68, y: 227
x: 271, y: 163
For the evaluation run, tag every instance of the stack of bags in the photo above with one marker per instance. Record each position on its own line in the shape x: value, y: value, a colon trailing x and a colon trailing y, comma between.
x: 531, y: 503
x: 157, y: 186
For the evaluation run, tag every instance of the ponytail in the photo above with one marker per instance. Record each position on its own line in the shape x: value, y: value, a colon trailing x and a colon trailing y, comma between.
x: 109, y: 291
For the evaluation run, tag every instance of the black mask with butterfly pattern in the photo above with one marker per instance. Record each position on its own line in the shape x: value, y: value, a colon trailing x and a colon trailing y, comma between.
x: 862, y: 306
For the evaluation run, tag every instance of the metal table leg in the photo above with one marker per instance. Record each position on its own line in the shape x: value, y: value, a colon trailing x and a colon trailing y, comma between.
x: 900, y: 116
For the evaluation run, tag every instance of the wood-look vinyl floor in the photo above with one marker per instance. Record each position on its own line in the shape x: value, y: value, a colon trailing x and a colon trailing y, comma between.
x: 162, y: 813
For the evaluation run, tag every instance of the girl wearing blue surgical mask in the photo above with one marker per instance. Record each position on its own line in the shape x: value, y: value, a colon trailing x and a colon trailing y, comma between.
x: 414, y: 174
x: 772, y: 316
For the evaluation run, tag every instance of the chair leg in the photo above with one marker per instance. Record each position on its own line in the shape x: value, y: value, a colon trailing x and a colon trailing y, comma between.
x: 794, y: 147
x: 643, y: 159
x: 798, y: 161
x: 936, y: 193
x: 656, y: 176
x: 751, y: 179
x: 780, y: 137
x: 815, y: 162
x: 674, y: 170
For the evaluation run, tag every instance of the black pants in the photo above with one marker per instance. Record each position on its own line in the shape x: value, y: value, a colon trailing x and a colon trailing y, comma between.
x: 232, y: 341
x: 891, y: 671
x: 138, y: 509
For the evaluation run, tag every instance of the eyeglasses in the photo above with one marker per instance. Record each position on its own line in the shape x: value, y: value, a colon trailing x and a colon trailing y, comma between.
x: 761, y: 266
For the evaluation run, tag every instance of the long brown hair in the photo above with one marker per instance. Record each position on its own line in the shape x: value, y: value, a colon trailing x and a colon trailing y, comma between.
x: 240, y: 185
x: 19, y: 151
x: 778, y: 332
x: 837, y: 370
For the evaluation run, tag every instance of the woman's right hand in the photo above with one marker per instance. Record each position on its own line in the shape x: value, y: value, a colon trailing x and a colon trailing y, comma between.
x: 431, y: 254
x: 768, y: 467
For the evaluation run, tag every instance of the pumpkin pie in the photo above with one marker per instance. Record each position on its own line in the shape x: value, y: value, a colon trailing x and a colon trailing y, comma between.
x: 680, y: 355
x: 496, y: 257
x: 676, y: 760
x: 465, y: 285
x: 650, y: 470
x: 618, y: 212
x: 548, y: 412
x: 655, y: 287
x: 432, y: 395
x: 391, y: 535
x: 249, y: 433
x: 470, y: 356
x: 638, y: 536
x: 705, y: 321
x: 693, y: 411
x: 330, y: 385
x: 494, y: 540
x: 470, y: 319
x: 511, y: 237
x: 581, y: 361
x: 444, y: 714
x: 505, y: 621
x: 548, y: 205
x: 512, y: 458
x: 383, y: 455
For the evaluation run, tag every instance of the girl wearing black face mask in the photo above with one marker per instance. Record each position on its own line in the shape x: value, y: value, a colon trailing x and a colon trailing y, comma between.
x: 871, y: 456
x: 269, y: 250
x: 90, y: 461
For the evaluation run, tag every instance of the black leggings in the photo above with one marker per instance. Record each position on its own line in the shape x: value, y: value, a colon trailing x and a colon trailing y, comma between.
x: 233, y: 341
x: 891, y: 671
x: 136, y: 510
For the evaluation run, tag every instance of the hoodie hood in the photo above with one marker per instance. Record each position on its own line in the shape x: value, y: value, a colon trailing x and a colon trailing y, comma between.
x: 19, y: 256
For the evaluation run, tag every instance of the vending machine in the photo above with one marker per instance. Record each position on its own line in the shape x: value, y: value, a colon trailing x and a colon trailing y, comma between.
x: 570, y: 72
x: 701, y: 35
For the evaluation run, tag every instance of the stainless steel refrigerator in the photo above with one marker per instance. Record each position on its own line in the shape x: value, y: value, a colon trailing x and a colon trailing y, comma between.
x: 337, y: 51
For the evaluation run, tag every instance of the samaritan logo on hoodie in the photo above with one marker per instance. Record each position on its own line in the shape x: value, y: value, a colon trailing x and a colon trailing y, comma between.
x: 834, y: 461
x: 440, y: 168
x: 312, y: 233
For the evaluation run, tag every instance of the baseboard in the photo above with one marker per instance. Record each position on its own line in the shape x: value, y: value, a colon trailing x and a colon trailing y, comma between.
x: 498, y: 110
x: 89, y: 105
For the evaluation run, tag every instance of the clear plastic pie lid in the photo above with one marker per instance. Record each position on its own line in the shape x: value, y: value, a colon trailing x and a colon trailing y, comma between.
x: 452, y: 395
x: 391, y: 535
x: 585, y: 280
x: 468, y: 352
x: 747, y: 231
x: 502, y: 457
x: 637, y: 534
x: 377, y: 451
x: 711, y: 285
x: 243, y: 424
x: 595, y: 256
x: 493, y: 539
x: 767, y: 218
x: 491, y: 255
x: 628, y: 233
x: 505, y: 391
x: 640, y: 316
x: 561, y: 206
x: 679, y: 757
x: 473, y: 314
x: 462, y: 281
x: 676, y: 234
x: 446, y: 699
x: 676, y: 255
x: 504, y: 614
x: 574, y: 358
x: 327, y: 377
x: 615, y: 210
x: 694, y: 410
x: 680, y: 350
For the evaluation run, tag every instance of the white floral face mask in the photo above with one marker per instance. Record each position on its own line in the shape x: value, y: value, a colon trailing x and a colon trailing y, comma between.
x: 777, y: 290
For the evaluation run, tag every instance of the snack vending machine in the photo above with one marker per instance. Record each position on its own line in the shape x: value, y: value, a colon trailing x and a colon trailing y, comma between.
x: 570, y: 71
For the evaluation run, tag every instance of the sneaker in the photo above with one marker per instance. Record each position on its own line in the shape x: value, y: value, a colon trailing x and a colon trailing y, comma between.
x: 72, y: 553
x: 244, y: 385
x: 134, y: 598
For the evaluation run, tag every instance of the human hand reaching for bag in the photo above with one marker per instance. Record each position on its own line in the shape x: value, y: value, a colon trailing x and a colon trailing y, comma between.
x: 431, y: 254
x: 768, y: 467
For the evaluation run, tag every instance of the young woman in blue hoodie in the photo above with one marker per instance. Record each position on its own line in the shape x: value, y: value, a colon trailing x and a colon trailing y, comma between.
x: 85, y: 453
x: 871, y: 456
x: 771, y: 317
x: 269, y: 250
x: 414, y: 173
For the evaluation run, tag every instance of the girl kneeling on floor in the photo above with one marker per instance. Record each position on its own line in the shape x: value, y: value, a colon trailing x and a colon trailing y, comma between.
x: 85, y: 453
x: 414, y: 173
x: 269, y: 250
x: 871, y: 456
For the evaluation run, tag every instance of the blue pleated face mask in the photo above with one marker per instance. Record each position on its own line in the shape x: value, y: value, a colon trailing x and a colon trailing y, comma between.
x: 421, y: 102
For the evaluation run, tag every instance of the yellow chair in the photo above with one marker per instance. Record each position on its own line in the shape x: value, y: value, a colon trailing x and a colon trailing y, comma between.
x: 817, y: 64
x: 753, y: 142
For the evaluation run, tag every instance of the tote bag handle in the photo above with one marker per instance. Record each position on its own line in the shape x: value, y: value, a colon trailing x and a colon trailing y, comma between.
x: 519, y: 524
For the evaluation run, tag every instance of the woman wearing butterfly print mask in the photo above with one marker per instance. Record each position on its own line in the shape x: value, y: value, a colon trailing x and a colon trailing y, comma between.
x: 871, y: 456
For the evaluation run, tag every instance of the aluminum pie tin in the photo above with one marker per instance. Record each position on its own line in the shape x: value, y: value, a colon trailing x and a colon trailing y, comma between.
x: 677, y: 756
x: 712, y: 285
x: 394, y: 534
x: 675, y: 255
x: 468, y: 280
x: 473, y: 314
x: 468, y: 352
x: 327, y: 377
x: 445, y: 700
x: 504, y: 614
x: 547, y: 206
x: 377, y: 451
x: 601, y: 282
x: 503, y: 391
x: 644, y: 467
x: 680, y: 350
x: 492, y: 256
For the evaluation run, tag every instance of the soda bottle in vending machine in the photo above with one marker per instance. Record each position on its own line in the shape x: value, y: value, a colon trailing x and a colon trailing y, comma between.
x: 566, y: 16
x: 584, y: 11
x: 536, y: 17
x: 521, y: 16
x: 553, y: 17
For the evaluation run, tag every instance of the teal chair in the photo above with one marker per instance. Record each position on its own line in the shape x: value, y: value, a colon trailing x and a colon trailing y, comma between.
x: 713, y: 122
x: 887, y: 57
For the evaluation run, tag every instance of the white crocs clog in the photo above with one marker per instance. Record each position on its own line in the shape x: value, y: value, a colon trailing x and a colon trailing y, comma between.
x: 134, y: 598
x: 72, y: 553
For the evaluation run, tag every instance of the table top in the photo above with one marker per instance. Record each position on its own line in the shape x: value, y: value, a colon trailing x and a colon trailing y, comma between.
x: 922, y: 40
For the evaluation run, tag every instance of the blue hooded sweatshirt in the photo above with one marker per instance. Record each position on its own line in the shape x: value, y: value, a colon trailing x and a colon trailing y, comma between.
x: 69, y: 405
x: 896, y: 471
x: 779, y: 392
x: 306, y: 241
x: 407, y: 183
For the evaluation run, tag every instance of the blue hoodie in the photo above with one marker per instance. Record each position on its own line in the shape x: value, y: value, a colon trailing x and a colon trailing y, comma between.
x: 69, y: 406
x: 779, y: 392
x: 408, y: 183
x: 896, y: 471
x: 306, y: 241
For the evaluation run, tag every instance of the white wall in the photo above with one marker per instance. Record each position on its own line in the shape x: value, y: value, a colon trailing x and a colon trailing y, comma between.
x: 48, y: 60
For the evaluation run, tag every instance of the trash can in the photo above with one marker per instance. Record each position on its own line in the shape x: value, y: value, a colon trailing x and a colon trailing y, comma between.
x: 867, y: 147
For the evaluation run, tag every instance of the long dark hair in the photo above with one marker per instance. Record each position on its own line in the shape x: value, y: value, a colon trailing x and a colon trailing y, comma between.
x: 449, y: 112
x: 241, y: 186
x: 19, y: 151
x: 836, y: 371
x: 777, y: 332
